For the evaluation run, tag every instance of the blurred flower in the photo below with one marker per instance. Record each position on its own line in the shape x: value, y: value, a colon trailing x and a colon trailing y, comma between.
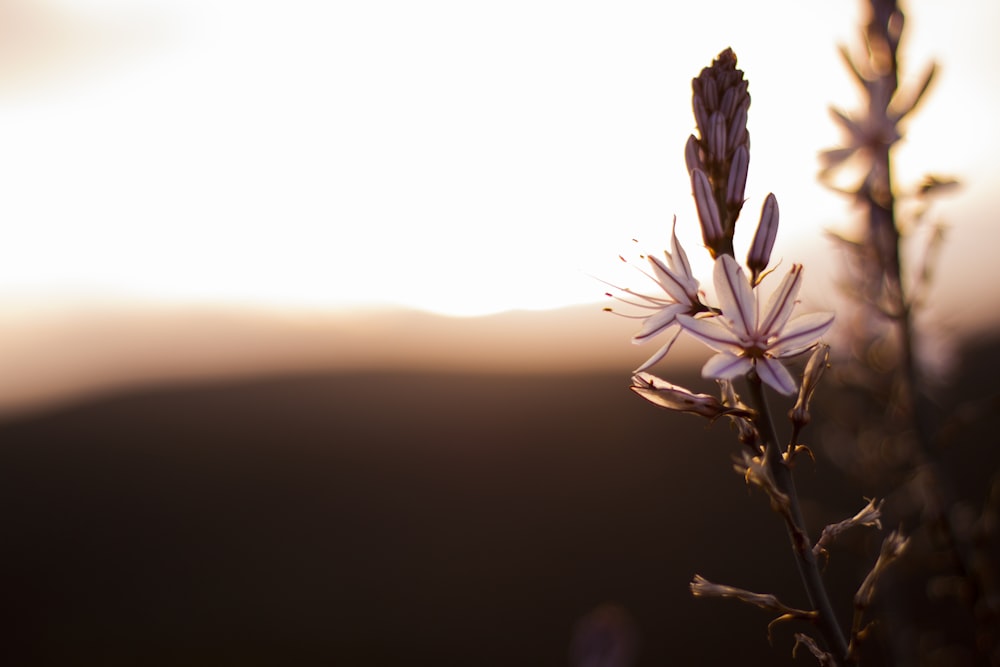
x: 743, y: 339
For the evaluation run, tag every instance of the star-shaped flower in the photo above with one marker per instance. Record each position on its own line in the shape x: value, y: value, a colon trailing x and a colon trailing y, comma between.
x: 681, y: 287
x: 674, y: 277
x: 743, y: 339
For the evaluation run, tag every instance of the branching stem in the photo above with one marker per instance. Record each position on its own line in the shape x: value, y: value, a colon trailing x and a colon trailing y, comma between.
x: 808, y: 566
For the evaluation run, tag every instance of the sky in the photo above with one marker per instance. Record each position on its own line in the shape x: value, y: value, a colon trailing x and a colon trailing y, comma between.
x: 455, y: 157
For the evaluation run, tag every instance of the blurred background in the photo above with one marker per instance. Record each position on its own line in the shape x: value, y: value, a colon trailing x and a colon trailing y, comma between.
x: 303, y: 354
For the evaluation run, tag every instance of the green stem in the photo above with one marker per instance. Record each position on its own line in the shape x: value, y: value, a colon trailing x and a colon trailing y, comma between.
x: 809, y: 570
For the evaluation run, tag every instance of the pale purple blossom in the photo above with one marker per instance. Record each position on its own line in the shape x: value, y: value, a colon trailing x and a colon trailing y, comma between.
x: 673, y: 275
x: 747, y: 341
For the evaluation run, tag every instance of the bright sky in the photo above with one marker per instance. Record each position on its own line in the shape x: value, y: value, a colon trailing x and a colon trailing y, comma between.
x: 460, y: 157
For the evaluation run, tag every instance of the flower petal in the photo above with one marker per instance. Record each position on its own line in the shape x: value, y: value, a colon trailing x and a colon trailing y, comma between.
x: 678, y: 261
x: 800, y: 334
x: 659, y: 354
x: 781, y: 303
x: 713, y: 333
x: 726, y: 366
x: 671, y: 283
x: 774, y: 374
x: 658, y: 322
x: 737, y: 299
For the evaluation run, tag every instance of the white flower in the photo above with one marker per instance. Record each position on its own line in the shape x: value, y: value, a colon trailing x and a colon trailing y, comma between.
x: 674, y: 277
x: 743, y: 339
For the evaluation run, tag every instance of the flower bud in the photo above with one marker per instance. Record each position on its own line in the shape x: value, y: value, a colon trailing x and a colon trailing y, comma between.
x: 720, y: 110
x: 720, y: 92
x: 692, y: 154
x: 737, y: 183
x: 737, y: 135
x: 763, y: 239
x: 670, y: 396
x: 728, y: 104
x: 700, y: 114
x: 716, y: 138
x: 708, y: 211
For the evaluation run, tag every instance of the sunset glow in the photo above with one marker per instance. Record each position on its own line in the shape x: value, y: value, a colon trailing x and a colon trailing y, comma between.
x: 454, y: 157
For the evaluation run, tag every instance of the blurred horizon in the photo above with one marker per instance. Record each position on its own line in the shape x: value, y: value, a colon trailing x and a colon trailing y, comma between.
x: 69, y: 354
x: 212, y: 187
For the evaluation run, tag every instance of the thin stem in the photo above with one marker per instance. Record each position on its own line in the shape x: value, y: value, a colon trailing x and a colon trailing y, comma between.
x: 812, y: 580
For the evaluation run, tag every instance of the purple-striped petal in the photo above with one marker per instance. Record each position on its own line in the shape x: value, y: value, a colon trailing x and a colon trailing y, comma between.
x: 800, y: 334
x: 726, y: 366
x: 678, y: 261
x: 671, y: 283
x: 781, y: 303
x: 659, y: 321
x: 735, y: 296
x: 711, y: 332
x: 775, y: 375
x: 659, y: 354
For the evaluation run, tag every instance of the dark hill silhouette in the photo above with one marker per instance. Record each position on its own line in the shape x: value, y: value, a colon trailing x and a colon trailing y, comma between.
x: 385, y: 518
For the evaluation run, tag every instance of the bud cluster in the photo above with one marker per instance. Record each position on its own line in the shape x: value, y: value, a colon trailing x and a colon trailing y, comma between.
x: 718, y: 159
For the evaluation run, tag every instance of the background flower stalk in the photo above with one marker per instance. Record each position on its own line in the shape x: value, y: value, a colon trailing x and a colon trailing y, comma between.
x: 887, y: 280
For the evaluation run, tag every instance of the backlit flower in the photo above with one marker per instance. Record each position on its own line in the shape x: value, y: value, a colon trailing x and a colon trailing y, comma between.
x: 744, y: 339
x: 674, y: 277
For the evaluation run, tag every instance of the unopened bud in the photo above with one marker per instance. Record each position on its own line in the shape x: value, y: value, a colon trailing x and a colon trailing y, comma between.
x: 763, y: 238
x: 717, y: 138
x: 670, y: 396
x: 728, y: 104
x: 708, y: 210
x: 737, y: 183
x: 737, y: 135
x: 700, y: 113
x: 692, y: 154
x: 710, y: 93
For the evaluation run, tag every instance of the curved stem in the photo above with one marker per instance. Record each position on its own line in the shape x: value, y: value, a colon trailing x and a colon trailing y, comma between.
x: 812, y: 580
